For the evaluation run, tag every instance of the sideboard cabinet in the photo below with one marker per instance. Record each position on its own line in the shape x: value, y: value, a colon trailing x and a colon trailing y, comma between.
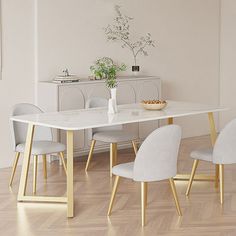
x: 71, y: 96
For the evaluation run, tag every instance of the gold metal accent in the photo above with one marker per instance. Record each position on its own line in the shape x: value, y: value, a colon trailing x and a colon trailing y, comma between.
x: 70, y: 165
x: 90, y: 154
x: 26, y: 161
x: 43, y: 199
x: 35, y: 173
x: 170, y: 120
x: 213, y: 134
x: 14, y: 168
x: 146, y: 194
x: 143, y: 201
x: 63, y: 161
x: 221, y: 169
x: 113, y: 156
x: 195, y: 164
x: 135, y: 147
x: 200, y: 177
x: 45, y: 166
x: 212, y: 128
x: 217, y: 170
x: 114, y: 190
x: 173, y: 188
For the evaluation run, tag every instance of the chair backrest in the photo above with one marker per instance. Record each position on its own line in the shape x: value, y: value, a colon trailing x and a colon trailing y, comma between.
x: 19, y: 130
x: 96, y: 102
x: 157, y: 156
x: 224, y: 151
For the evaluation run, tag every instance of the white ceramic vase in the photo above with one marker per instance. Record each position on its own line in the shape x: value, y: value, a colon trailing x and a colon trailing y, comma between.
x: 112, y: 104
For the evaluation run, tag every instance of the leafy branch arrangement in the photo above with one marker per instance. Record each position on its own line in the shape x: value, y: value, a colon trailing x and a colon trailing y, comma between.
x: 105, y: 68
x: 120, y: 31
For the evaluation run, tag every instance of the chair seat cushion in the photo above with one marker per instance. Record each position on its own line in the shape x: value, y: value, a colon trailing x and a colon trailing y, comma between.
x: 42, y: 147
x: 124, y: 170
x: 202, y: 154
x: 113, y: 136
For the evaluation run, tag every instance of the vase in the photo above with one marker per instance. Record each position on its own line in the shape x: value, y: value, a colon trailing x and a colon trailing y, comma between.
x: 112, y: 104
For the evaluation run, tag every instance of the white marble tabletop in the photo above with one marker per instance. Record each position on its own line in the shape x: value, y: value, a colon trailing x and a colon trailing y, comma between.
x: 98, y: 117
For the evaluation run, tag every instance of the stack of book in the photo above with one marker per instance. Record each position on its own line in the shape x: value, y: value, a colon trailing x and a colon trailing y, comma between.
x: 66, y: 79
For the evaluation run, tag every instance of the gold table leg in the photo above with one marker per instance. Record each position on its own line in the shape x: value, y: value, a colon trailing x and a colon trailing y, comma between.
x: 26, y: 162
x: 70, y: 165
x: 170, y: 121
x: 35, y: 173
x: 213, y: 134
x: 113, y: 156
x: 14, y: 168
x: 22, y: 197
x: 45, y: 166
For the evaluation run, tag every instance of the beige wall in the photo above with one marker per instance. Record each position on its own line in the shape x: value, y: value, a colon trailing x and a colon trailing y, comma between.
x: 69, y: 34
x: 186, y: 33
x: 228, y: 60
x: 17, y: 84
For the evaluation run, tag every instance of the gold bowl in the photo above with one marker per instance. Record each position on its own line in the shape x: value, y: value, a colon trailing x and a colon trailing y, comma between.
x: 153, y: 104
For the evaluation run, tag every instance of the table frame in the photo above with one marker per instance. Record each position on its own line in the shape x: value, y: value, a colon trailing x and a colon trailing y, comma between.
x: 69, y: 198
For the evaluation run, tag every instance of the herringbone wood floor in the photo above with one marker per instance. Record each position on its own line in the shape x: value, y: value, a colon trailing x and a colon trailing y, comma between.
x: 202, y: 213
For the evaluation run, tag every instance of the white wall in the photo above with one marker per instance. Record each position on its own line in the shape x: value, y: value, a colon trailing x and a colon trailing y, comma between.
x: 186, y: 33
x: 228, y: 60
x: 17, y: 84
x: 69, y: 34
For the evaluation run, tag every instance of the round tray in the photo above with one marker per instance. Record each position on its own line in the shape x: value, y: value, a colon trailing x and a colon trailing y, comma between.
x: 154, y: 106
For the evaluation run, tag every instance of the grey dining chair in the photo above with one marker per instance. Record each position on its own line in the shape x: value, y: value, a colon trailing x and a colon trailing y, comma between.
x: 223, y: 152
x: 112, y: 134
x: 43, y: 143
x: 156, y: 160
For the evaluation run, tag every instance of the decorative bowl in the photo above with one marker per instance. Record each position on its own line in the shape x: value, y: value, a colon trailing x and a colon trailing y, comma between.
x: 153, y: 104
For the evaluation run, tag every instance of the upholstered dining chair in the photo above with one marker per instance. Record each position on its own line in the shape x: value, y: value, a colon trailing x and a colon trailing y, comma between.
x: 43, y: 143
x: 156, y: 160
x: 112, y: 134
x: 223, y: 152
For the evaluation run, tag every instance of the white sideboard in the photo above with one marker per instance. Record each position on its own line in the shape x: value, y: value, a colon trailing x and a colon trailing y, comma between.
x: 59, y: 97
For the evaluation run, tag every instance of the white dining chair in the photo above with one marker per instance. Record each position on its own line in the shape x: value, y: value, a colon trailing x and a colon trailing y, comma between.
x: 223, y: 152
x: 112, y: 134
x: 156, y: 160
x: 43, y: 143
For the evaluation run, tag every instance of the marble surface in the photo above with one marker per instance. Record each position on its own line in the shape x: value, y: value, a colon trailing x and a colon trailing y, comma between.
x: 98, y: 117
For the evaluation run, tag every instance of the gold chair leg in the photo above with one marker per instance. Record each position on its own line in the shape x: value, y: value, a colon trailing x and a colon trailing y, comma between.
x: 45, y: 166
x: 135, y: 147
x: 221, y: 169
x: 216, y: 175
x: 114, y: 190
x: 195, y: 164
x: 146, y: 193
x: 90, y: 154
x: 63, y: 161
x: 143, y: 201
x: 113, y: 156
x: 14, y: 168
x: 35, y: 173
x: 172, y: 184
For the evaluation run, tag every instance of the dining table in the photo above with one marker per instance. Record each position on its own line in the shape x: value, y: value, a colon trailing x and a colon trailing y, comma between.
x: 74, y: 120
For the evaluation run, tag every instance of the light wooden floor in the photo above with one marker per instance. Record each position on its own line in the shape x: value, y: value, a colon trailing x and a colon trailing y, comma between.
x: 202, y: 213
